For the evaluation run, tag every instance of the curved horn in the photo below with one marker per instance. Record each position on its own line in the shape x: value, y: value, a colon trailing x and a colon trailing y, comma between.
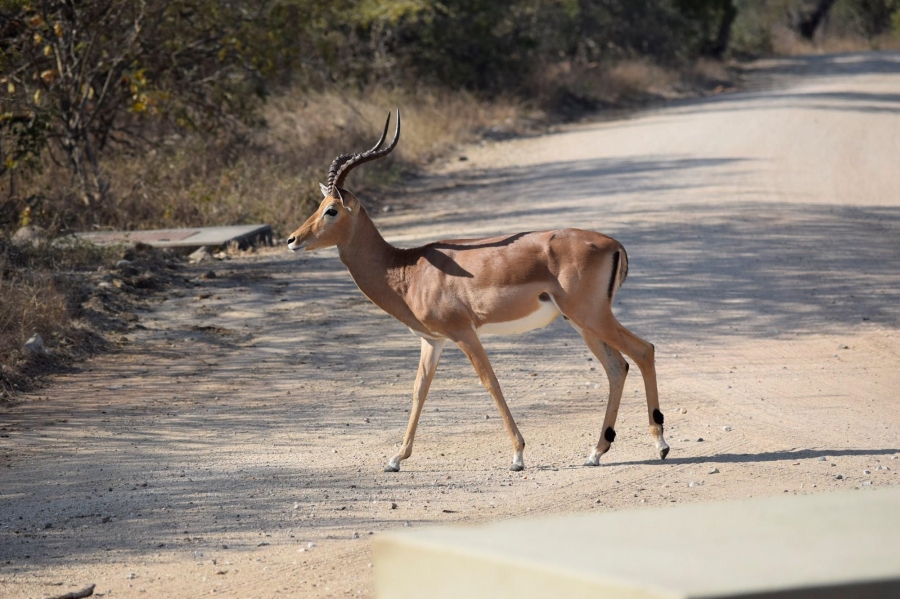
x: 340, y: 160
x: 344, y: 168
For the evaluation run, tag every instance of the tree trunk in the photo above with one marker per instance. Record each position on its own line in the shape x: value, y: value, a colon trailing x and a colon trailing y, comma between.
x: 808, y: 26
x: 721, y: 44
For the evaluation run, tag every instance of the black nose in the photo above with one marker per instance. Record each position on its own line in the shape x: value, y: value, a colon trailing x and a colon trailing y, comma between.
x: 291, y: 240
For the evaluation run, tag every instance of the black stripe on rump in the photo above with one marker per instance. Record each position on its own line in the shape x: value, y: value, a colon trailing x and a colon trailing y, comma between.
x: 612, y: 277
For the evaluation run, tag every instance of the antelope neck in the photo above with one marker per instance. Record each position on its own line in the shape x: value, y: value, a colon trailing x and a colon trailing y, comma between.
x: 379, y: 269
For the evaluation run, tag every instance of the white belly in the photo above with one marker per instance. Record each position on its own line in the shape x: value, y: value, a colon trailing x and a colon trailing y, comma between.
x: 544, y: 315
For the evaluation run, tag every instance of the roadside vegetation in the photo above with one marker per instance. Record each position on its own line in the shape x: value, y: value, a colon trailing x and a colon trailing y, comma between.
x: 149, y: 113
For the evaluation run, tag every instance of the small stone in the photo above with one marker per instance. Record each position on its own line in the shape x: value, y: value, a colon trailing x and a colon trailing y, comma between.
x: 356, y: 535
x: 209, y: 274
x: 823, y: 459
x: 131, y: 576
x: 386, y: 208
x: 28, y: 235
x: 713, y: 470
x: 310, y: 545
x: 35, y: 345
x: 842, y: 346
x: 694, y: 483
x: 699, y: 439
x: 683, y: 410
x: 867, y: 483
x: 48, y: 524
x: 866, y: 472
x: 393, y: 505
x: 685, y: 440
x: 105, y: 519
x: 200, y: 255
x: 839, y: 476
x: 296, y: 506
x: 487, y: 417
x: 727, y: 429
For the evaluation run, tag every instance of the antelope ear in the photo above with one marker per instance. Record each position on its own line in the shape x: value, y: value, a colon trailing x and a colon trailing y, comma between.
x: 348, y: 203
x: 324, y: 190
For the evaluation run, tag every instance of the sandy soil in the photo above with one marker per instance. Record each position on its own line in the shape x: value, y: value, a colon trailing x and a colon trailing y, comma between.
x: 235, y: 444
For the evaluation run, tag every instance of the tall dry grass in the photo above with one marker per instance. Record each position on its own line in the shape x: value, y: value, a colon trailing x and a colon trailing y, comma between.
x: 270, y: 173
x: 569, y: 88
x: 787, y: 42
x: 37, y: 296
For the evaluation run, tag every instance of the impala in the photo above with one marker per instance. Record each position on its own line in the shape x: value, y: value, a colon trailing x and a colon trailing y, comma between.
x: 462, y: 289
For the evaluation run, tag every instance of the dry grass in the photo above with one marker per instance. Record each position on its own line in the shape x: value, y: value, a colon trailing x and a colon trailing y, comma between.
x: 36, y: 297
x: 270, y: 174
x: 786, y: 42
x: 569, y: 88
x: 30, y: 304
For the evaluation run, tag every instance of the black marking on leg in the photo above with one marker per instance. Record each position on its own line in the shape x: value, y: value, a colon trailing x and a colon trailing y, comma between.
x: 658, y: 417
x: 609, y: 434
x: 612, y: 277
x: 544, y: 297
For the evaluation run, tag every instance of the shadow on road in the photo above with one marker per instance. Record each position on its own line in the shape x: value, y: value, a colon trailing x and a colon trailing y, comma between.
x: 767, y: 456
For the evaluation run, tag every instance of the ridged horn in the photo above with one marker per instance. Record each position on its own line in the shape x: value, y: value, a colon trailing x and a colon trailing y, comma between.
x: 340, y: 160
x: 343, y: 164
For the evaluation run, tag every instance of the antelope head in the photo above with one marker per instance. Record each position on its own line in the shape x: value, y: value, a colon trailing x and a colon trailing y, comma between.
x: 334, y: 221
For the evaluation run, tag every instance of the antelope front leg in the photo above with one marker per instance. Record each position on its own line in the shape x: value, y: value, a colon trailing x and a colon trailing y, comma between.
x: 428, y: 361
x: 471, y: 346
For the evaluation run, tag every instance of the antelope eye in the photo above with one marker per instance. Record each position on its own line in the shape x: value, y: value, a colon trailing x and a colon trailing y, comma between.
x: 331, y: 212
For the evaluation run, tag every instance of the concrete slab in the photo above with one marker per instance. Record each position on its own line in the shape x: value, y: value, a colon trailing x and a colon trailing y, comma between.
x: 835, y: 546
x: 243, y: 235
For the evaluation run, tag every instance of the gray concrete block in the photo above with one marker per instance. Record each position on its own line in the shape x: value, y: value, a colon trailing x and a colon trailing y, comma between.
x: 243, y: 235
x: 833, y: 546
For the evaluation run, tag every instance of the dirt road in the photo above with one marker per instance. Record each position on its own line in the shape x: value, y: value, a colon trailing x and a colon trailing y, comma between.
x: 235, y: 445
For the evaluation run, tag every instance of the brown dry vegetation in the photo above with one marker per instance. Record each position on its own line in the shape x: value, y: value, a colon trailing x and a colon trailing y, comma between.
x: 786, y: 42
x: 271, y: 173
x: 40, y: 292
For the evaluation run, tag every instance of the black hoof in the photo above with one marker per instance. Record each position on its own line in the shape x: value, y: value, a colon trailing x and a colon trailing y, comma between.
x: 516, y: 467
x: 663, y: 453
x: 390, y: 468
